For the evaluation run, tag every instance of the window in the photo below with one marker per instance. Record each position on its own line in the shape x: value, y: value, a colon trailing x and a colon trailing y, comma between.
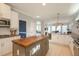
x: 38, y: 27
x: 64, y: 29
x: 53, y: 28
x: 59, y: 28
x: 49, y: 29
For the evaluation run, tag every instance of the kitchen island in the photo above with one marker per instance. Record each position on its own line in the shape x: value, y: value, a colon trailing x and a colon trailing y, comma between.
x: 31, y: 46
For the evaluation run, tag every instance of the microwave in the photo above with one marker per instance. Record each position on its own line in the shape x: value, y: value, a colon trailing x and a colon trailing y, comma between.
x: 4, y: 22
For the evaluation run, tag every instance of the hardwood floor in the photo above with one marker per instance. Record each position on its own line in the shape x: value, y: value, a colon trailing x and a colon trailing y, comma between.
x: 58, y: 50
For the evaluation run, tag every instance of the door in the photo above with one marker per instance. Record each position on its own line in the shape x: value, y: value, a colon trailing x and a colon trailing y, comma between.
x: 22, y: 28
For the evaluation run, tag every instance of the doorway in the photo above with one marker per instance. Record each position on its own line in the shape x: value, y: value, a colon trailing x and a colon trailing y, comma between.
x: 22, y: 29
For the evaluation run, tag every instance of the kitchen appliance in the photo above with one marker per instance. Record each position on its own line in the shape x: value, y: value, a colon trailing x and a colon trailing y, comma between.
x: 75, y: 36
x: 4, y: 23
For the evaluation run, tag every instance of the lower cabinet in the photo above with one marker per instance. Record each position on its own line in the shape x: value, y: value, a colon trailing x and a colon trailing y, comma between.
x: 2, y: 46
x: 6, y: 45
x: 60, y: 39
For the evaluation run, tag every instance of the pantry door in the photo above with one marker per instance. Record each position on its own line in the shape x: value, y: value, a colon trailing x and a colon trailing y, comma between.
x: 22, y: 29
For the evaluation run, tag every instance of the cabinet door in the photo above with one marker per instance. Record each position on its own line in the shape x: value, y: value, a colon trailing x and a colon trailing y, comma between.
x: 5, y: 11
x: 8, y: 45
x: 54, y: 38
x: 3, y: 46
x: 14, y: 21
x: 0, y: 47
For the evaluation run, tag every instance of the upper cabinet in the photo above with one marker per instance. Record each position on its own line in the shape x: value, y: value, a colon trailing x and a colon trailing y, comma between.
x: 5, y: 11
x: 14, y: 22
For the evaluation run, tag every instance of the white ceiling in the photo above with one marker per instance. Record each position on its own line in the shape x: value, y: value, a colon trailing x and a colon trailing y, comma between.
x: 47, y: 12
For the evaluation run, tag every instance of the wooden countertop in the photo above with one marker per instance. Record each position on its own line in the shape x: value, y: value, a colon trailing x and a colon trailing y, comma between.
x: 29, y: 40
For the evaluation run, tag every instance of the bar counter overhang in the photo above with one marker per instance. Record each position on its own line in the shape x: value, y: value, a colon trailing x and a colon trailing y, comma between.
x: 31, y: 46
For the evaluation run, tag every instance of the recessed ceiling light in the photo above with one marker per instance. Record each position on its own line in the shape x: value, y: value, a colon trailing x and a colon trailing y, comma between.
x: 37, y: 16
x: 43, y: 4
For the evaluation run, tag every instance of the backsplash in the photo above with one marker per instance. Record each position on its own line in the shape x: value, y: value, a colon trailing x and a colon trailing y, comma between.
x: 4, y: 31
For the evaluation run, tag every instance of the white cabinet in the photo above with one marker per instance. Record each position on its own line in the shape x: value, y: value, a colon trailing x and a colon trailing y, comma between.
x: 10, y: 42
x: 14, y: 21
x: 3, y: 46
x: 6, y: 45
x: 5, y: 11
x: 60, y: 39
